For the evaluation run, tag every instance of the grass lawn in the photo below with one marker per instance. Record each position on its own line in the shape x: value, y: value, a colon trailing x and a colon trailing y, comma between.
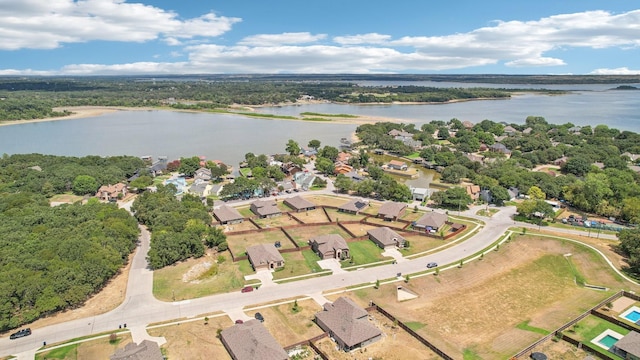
x: 246, y: 212
x: 287, y: 326
x: 590, y: 327
x: 93, y: 349
x: 298, y: 263
x: 282, y: 220
x: 336, y: 215
x: 171, y: 280
x: 363, y: 252
x: 487, y: 213
x: 312, y: 216
x: 410, y: 215
x: 239, y: 243
x: 65, y: 198
x: 327, y: 200
x: 419, y: 244
x: 302, y: 235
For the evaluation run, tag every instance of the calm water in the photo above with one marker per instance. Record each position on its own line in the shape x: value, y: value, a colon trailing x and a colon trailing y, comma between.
x: 228, y: 138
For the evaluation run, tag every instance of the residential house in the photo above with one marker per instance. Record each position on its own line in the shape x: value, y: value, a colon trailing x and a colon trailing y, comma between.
x: 628, y: 347
x: 354, y: 206
x: 286, y: 186
x: 575, y: 130
x: 250, y: 340
x: 473, y: 191
x: 514, y: 193
x: 467, y: 124
x: 264, y: 256
x: 159, y: 166
x: 397, y: 165
x: 304, y: 180
x: 419, y: 194
x: 475, y: 158
x: 392, y: 210
x: 344, y: 157
x: 341, y: 168
x: 265, y: 208
x: 483, y: 147
x: 200, y: 188
x: 400, y: 135
x: 527, y: 131
x: 308, y: 152
x: 385, y: 237
x: 510, y: 130
x: 348, y: 324
x: 431, y: 221
x: 179, y: 182
x: 216, y: 189
x: 354, y: 176
x: 331, y: 246
x: 299, y: 204
x: 290, y: 169
x: 227, y: 215
x: 632, y: 157
x: 501, y: 148
x: 203, y: 174
x: 112, y: 192
x: 146, y: 350
x: 560, y: 161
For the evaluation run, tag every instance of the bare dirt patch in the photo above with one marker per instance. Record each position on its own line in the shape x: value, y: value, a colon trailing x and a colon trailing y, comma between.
x: 312, y: 217
x: 194, y: 340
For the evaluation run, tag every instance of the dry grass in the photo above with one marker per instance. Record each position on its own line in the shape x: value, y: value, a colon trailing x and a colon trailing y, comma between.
x: 302, y: 235
x: 194, y: 340
x: 561, y: 350
x: 245, y: 225
x: 239, y: 243
x: 476, y: 308
x: 282, y: 220
x: 326, y: 200
x: 288, y: 327
x: 312, y: 217
x: 359, y: 229
x: 92, y: 349
x: 418, y: 244
x: 336, y: 215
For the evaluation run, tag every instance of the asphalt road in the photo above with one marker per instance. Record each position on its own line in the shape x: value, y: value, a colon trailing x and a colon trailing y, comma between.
x: 141, y: 308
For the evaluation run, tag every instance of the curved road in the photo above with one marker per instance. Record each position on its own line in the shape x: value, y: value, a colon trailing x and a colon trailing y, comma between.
x: 141, y: 308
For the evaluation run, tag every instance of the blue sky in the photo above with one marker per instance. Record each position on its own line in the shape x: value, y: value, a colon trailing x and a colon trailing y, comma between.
x: 118, y: 37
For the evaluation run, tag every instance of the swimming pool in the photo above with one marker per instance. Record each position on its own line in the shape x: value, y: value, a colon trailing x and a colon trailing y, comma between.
x: 633, y: 316
x: 608, y: 341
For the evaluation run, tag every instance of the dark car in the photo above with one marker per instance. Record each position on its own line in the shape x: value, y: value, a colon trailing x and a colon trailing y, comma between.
x: 247, y: 289
x: 259, y: 317
x: 239, y: 321
x: 432, y: 265
x: 21, y: 333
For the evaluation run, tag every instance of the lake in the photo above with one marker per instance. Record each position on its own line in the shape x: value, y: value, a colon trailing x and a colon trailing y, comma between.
x: 229, y: 137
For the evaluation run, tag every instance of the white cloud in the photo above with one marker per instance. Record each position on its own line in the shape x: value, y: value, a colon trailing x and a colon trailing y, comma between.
x: 38, y: 24
x: 534, y: 62
x: 371, y: 38
x: 616, y: 71
x: 281, y: 39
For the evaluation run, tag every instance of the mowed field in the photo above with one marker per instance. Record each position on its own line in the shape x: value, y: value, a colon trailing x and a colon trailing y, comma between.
x: 475, y: 311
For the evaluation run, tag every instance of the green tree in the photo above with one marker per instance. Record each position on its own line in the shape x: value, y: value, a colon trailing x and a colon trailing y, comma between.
x: 325, y: 166
x: 454, y: 173
x: 314, y: 144
x: 536, y: 193
x: 443, y: 133
x: 329, y: 152
x: 577, y: 166
x: 630, y: 247
x: 84, y: 184
x: 343, y: 183
x: 141, y: 182
x: 292, y: 147
x: 188, y: 166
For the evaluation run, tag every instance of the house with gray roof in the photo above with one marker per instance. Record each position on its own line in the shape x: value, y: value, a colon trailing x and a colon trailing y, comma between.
x: 628, y: 347
x: 348, y: 324
x: 202, y: 174
x: 392, y: 210
x: 385, y: 237
x: 354, y: 206
x: 146, y: 350
x: 264, y: 256
x: 265, y: 208
x: 501, y: 148
x: 331, y: 246
x: 431, y: 221
x: 298, y: 204
x: 200, y: 188
x: 251, y: 340
x: 227, y: 215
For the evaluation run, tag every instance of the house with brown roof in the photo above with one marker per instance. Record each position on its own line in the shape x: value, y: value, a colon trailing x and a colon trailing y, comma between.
x: 265, y: 208
x: 250, y: 341
x: 112, y: 192
x: 628, y: 347
x: 392, y: 210
x: 331, y: 246
x: 431, y: 221
x: 146, y: 350
x: 227, y: 215
x: 348, y: 324
x: 344, y: 157
x: 354, y: 206
x: 385, y: 237
x: 290, y: 168
x: 473, y: 191
x: 397, y: 165
x: 264, y: 256
x: 340, y: 167
x: 298, y: 204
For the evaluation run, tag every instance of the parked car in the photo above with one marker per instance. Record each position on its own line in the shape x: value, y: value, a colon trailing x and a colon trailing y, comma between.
x: 432, y: 265
x: 239, y: 321
x: 247, y: 289
x: 259, y: 317
x: 21, y: 333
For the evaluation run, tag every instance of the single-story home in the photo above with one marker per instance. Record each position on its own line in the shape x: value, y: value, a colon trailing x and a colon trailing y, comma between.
x: 251, y: 340
x: 348, y: 324
x: 299, y: 204
x: 264, y: 256
x: 433, y: 221
x: 629, y: 346
x: 397, y: 165
x: 385, y: 237
x: 354, y: 206
x: 265, y: 208
x: 331, y: 246
x: 501, y: 148
x: 147, y: 350
x: 227, y: 215
x: 473, y: 191
x: 112, y: 192
x: 419, y: 194
x: 202, y: 174
x: 392, y: 210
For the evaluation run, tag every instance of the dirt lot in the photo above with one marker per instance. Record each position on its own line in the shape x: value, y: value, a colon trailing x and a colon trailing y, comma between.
x: 239, y: 243
x: 561, y: 350
x: 312, y: 216
x: 475, y: 309
x: 194, y: 340
x: 302, y: 234
x: 288, y: 327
